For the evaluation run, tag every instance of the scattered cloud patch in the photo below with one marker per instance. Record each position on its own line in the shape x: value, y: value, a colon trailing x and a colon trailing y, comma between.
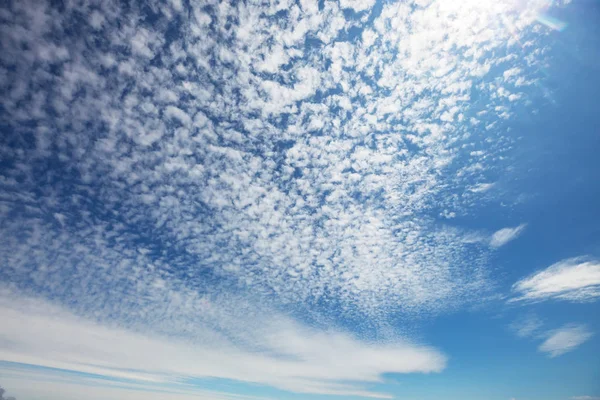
x: 575, y: 279
x: 565, y: 339
x: 505, y: 235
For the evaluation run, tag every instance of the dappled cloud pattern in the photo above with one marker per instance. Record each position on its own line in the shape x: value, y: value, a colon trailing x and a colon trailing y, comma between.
x: 186, y: 170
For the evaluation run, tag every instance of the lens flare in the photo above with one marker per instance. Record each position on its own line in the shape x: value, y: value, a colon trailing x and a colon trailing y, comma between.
x: 552, y: 22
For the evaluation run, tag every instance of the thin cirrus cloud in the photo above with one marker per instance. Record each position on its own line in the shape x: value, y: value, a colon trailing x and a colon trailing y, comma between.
x: 574, y: 279
x: 505, y: 235
x: 527, y: 326
x: 52, y: 384
x: 565, y: 339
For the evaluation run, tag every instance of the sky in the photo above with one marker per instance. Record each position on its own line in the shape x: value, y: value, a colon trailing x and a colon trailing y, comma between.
x: 333, y: 199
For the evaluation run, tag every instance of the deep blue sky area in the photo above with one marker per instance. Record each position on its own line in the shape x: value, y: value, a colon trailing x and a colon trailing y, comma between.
x: 300, y: 200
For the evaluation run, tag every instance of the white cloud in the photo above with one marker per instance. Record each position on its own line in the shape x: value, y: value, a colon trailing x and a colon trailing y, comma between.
x: 273, y: 350
x: 505, y: 235
x: 585, y: 398
x: 177, y: 5
x: 96, y: 19
x: 178, y: 114
x: 357, y: 5
x: 573, y: 279
x: 565, y: 339
x: 142, y: 42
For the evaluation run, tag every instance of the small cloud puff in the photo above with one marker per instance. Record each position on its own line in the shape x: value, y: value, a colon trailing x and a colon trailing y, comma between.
x: 505, y: 235
x: 565, y: 339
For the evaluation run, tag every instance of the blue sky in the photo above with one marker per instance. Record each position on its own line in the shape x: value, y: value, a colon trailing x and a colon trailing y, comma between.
x: 300, y: 200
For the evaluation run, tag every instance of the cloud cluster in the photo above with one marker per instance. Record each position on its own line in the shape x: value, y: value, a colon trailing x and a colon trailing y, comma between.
x: 285, y: 154
x: 574, y: 279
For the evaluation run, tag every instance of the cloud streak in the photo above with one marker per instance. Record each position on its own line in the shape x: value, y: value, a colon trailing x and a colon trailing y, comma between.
x: 573, y: 279
x: 505, y: 235
x: 281, y: 354
x: 62, y: 385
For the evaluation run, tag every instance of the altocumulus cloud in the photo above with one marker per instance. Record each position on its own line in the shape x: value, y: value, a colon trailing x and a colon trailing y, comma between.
x: 181, y: 181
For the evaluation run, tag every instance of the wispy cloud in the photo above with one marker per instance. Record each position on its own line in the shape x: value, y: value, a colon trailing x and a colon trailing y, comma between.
x: 482, y: 187
x: 505, y: 235
x: 574, y: 279
x: 53, y: 384
x: 281, y: 353
x: 527, y: 326
x: 565, y: 339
